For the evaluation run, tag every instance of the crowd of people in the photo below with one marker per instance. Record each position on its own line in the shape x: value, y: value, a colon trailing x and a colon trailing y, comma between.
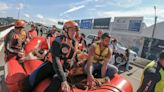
x: 69, y: 50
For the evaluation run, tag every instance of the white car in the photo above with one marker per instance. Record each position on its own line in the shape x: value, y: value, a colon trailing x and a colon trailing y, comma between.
x: 90, y: 38
x: 120, y: 51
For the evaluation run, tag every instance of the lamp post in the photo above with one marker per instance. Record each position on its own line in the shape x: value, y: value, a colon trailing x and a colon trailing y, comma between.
x: 18, y: 12
x: 152, y: 37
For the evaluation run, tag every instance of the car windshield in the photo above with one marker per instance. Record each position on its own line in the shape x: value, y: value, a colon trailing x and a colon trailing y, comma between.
x: 119, y: 44
x: 91, y: 37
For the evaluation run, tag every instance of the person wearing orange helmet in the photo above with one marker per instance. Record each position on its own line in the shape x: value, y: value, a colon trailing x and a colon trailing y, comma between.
x: 62, y: 51
x: 15, y: 41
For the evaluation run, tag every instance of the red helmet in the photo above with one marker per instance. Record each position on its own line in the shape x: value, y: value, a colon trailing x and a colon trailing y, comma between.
x: 20, y: 23
x: 70, y: 24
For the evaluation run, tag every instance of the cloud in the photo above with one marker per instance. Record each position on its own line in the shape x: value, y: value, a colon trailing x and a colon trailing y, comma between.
x: 27, y: 15
x: 73, y: 9
x: 83, y: 2
x: 20, y: 6
x: 3, y: 6
x: 92, y: 9
x: 144, y: 11
x: 100, y: 5
x: 39, y: 16
x: 124, y: 3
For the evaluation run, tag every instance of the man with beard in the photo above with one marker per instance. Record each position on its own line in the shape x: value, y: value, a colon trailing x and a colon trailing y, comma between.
x: 98, y: 61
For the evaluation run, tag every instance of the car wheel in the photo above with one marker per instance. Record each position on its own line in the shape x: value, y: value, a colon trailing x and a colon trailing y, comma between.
x: 118, y: 59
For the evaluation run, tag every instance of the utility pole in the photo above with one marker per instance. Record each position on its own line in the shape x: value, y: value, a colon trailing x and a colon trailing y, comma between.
x: 18, y: 12
x: 152, y: 37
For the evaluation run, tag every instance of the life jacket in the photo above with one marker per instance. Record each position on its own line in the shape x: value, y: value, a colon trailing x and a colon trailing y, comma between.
x: 159, y: 87
x: 67, y: 50
x: 17, y: 41
x: 100, y: 56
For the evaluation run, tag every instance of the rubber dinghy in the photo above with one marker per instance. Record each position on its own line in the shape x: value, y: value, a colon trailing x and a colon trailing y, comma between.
x: 15, y: 74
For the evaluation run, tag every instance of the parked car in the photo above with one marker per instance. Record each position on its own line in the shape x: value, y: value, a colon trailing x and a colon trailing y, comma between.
x: 120, y: 51
x: 89, y: 38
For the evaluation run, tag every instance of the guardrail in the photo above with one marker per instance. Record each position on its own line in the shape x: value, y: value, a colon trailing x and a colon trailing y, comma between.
x: 3, y: 33
x: 2, y: 28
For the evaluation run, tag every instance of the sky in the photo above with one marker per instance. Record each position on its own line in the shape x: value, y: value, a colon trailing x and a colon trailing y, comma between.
x: 48, y: 11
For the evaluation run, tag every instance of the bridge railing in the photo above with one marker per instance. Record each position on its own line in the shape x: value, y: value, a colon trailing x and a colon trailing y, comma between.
x: 3, y: 32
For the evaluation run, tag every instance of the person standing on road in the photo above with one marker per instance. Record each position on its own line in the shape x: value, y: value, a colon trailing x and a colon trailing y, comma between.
x: 114, y: 46
x: 153, y: 76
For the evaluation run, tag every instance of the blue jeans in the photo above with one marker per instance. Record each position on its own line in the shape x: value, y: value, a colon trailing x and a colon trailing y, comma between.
x: 96, y: 70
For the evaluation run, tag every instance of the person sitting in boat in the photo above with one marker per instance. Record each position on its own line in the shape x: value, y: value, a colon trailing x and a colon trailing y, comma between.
x: 98, y: 60
x: 15, y: 41
x: 51, y: 35
x: 152, y: 79
x: 83, y: 41
x: 32, y: 33
x: 52, y: 32
x: 62, y: 51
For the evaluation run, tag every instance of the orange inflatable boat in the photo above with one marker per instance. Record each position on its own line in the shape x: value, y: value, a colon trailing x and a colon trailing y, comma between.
x: 16, y: 73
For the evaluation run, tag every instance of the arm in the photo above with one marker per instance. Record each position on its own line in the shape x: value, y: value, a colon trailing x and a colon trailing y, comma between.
x: 9, y: 44
x: 56, y: 52
x: 106, y: 62
x: 10, y: 49
x: 29, y: 35
x: 149, y: 81
x: 90, y: 60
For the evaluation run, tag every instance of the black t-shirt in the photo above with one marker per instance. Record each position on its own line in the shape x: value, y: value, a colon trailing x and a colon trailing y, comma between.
x: 60, y: 50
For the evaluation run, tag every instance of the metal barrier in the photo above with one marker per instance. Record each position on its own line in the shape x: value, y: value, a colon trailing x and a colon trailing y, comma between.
x: 3, y: 34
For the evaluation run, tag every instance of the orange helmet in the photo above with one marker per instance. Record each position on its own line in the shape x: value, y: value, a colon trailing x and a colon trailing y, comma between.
x: 70, y: 24
x: 20, y: 23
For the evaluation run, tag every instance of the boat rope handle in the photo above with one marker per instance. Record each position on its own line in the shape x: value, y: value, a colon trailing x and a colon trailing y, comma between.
x: 112, y: 86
